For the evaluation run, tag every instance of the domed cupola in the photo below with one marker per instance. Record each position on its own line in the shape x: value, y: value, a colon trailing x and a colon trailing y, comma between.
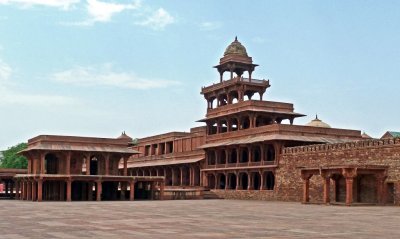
x: 318, y: 123
x: 236, y: 48
x: 235, y: 60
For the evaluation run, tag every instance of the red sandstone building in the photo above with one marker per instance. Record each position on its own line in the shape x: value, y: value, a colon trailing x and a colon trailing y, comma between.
x: 249, y: 148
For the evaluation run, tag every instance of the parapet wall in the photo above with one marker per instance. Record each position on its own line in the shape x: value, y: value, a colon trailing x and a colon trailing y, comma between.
x: 384, y: 152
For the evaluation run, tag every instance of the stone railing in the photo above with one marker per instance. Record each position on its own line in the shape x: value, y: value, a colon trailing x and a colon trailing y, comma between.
x: 342, y: 146
x: 232, y: 81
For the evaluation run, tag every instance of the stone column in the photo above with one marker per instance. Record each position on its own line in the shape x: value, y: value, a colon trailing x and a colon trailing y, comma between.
x: 162, y: 186
x: 99, y: 189
x: 349, y: 174
x: 69, y: 184
x: 23, y: 190
x: 34, y: 198
x: 40, y: 190
x: 125, y: 166
x: 132, y: 190
x: 16, y: 190
x: 173, y: 176
x: 306, y: 186
x: 42, y: 157
x: 6, y: 188
x: 237, y: 181
x: 181, y: 169
x: 68, y: 164
x: 90, y: 191
x: 250, y: 181
x: 88, y: 164
x: 107, y: 164
x: 226, y: 181
x: 29, y: 191
x: 261, y: 180
x: 327, y: 184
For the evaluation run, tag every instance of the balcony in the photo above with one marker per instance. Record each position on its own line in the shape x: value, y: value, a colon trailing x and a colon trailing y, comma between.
x: 242, y: 165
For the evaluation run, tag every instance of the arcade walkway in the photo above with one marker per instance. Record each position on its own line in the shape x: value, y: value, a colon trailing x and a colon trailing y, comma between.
x: 194, y: 219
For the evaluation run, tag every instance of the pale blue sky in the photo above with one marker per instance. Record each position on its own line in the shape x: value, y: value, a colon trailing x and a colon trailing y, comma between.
x: 97, y: 68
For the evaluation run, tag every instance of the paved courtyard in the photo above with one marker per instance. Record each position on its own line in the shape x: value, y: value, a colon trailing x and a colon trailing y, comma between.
x: 194, y: 219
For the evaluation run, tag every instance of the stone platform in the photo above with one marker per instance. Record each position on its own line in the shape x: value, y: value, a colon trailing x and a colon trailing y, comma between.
x: 194, y: 219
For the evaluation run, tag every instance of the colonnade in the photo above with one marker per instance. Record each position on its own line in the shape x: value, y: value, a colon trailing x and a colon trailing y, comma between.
x: 237, y: 155
x: 175, y: 175
x: 241, y: 180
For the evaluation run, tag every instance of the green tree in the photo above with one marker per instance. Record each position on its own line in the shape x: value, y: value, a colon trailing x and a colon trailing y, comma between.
x: 12, y: 159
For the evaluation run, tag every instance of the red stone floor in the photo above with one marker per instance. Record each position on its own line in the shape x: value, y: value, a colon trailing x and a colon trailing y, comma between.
x: 195, y: 219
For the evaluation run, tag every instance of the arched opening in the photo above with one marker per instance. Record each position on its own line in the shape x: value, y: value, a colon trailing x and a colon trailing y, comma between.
x: 212, y: 103
x: 248, y: 95
x: 269, y: 180
x: 245, y: 124
x: 222, y: 181
x: 223, y: 99
x: 212, y: 128
x: 222, y: 157
x: 211, y: 181
x: 246, y: 98
x: 93, y: 166
x: 153, y: 172
x: 340, y: 193
x: 244, y: 155
x: 232, y: 181
x: 244, y: 179
x: 262, y: 120
x: 51, y: 164
x: 256, y: 154
x: 233, y: 156
x: 211, y: 157
x: 256, y: 181
x: 234, y: 124
x: 269, y: 153
x: 234, y: 96
x: 223, y: 126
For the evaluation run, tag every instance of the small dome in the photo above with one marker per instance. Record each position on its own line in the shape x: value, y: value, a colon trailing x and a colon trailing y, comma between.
x: 124, y: 136
x: 236, y: 48
x: 318, y: 123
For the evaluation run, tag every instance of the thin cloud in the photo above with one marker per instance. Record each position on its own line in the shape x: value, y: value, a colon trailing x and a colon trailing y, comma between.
x: 62, y: 4
x: 158, y: 20
x: 10, y: 96
x: 210, y: 26
x: 106, y: 76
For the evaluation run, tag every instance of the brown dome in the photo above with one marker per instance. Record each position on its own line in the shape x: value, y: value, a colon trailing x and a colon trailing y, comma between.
x: 236, y: 48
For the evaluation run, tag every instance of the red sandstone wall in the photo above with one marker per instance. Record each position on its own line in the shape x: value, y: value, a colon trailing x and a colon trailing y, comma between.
x: 371, y: 152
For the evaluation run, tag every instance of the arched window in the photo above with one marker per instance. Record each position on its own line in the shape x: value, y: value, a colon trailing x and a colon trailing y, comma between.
x: 211, y: 157
x: 256, y: 154
x: 269, y: 181
x: 244, y: 156
x: 233, y: 156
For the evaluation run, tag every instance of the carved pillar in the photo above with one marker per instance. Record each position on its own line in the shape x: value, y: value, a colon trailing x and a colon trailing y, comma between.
x: 42, y: 158
x: 238, y: 181
x: 261, y: 180
x: 68, y: 163
x: 349, y: 174
x: 250, y: 181
x: 34, y: 191
x: 327, y: 184
x: 29, y: 191
x: 306, y: 186
x: 226, y: 181
x: 181, y: 179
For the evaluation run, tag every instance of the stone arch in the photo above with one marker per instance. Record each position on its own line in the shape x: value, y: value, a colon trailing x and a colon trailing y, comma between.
x: 245, y: 122
x: 256, y: 181
x: 256, y: 151
x: 222, y: 157
x: 244, y: 155
x: 244, y: 180
x: 221, y: 181
x: 269, y: 180
x: 211, y: 181
x: 233, y: 97
x: 233, y: 156
x: 269, y: 151
x: 234, y: 123
x: 232, y: 181
x: 222, y: 99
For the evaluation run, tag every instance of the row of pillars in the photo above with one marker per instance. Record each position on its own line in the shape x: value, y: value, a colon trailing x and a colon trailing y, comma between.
x: 349, y: 175
x: 239, y: 183
x: 33, y: 190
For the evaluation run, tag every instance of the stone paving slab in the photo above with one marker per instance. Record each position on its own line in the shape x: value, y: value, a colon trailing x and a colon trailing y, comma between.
x: 194, y: 219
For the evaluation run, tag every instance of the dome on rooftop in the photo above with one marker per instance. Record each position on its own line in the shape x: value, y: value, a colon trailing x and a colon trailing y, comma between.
x: 236, y: 48
x: 124, y: 136
x: 318, y: 123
